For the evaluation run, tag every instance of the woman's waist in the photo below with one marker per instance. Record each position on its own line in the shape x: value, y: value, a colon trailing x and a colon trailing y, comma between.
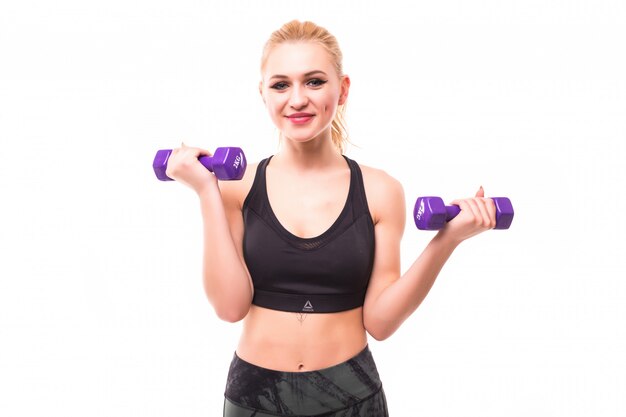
x: 297, y: 342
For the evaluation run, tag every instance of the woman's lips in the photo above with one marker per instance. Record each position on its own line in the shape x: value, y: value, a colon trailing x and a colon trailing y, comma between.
x: 300, y: 118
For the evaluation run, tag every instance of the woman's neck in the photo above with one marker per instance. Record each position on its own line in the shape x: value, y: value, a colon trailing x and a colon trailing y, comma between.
x: 313, y: 154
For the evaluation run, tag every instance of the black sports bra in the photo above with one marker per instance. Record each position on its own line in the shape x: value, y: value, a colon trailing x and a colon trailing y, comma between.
x: 323, y: 274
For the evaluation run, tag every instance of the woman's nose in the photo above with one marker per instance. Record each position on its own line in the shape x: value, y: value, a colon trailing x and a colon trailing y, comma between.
x: 298, y: 98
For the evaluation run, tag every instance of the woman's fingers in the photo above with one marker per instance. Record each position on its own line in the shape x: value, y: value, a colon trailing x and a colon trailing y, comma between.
x: 183, y: 162
x: 478, y: 204
x: 490, y: 206
x: 481, y: 203
x: 477, y: 214
x: 482, y: 210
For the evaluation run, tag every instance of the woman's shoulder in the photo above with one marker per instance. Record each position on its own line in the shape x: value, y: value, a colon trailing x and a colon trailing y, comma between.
x: 235, y: 192
x: 378, y: 179
x: 384, y: 192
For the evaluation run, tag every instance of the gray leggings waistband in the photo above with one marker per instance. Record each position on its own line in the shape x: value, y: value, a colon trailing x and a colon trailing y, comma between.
x: 304, y: 393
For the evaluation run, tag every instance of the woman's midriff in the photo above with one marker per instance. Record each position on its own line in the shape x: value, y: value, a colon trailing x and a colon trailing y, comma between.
x: 292, y: 342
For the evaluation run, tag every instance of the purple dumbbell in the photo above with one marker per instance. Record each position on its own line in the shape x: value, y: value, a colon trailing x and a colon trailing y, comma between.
x: 430, y: 213
x: 226, y: 163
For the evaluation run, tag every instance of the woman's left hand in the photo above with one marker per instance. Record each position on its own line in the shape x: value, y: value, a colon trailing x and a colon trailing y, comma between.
x: 477, y: 215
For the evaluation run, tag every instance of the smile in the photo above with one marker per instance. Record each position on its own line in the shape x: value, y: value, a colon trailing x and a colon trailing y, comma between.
x: 300, y: 118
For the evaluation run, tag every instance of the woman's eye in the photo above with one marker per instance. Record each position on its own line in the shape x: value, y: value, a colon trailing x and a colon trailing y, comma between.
x: 316, y: 82
x: 279, y: 86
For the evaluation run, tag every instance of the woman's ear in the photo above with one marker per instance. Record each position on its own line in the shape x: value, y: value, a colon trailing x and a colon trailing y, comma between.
x: 344, y: 89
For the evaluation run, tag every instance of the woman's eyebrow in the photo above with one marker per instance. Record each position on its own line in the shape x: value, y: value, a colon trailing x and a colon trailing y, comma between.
x: 308, y: 74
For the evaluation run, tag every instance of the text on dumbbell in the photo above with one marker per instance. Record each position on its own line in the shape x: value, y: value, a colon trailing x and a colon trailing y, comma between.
x: 420, y: 210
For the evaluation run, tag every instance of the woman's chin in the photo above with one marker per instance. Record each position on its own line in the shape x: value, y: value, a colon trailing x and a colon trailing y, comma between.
x: 299, y: 139
x: 302, y: 137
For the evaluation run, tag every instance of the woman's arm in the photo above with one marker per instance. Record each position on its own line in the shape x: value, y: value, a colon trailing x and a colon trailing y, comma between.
x: 392, y: 298
x: 227, y: 283
x: 226, y: 280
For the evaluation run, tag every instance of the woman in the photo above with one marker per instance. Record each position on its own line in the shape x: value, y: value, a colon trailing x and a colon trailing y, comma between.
x: 306, y: 247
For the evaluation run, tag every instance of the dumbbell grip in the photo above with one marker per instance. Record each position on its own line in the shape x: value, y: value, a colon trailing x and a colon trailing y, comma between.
x: 207, y: 162
x: 504, y: 212
x: 452, y: 212
x: 163, y: 155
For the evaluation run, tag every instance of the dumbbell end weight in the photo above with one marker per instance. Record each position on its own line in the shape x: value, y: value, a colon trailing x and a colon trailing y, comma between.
x: 504, y: 212
x: 160, y: 164
x: 430, y: 213
x: 227, y: 163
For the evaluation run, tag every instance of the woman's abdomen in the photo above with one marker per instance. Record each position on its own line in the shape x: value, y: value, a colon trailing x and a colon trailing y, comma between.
x: 295, y: 342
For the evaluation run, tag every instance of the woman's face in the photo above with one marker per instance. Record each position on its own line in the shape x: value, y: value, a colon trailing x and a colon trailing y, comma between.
x: 301, y: 90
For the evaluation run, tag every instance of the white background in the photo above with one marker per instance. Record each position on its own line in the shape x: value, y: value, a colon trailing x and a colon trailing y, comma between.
x: 102, y: 310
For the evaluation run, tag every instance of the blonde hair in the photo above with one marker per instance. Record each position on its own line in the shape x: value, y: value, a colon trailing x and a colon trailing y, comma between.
x: 296, y: 31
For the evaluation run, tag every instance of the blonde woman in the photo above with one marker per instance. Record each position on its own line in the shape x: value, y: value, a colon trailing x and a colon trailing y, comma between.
x: 306, y: 247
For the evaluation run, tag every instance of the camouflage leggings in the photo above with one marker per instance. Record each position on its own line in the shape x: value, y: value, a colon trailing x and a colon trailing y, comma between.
x: 349, y: 389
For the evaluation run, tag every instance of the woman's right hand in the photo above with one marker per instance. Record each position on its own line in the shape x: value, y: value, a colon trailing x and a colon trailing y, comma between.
x: 183, y: 166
